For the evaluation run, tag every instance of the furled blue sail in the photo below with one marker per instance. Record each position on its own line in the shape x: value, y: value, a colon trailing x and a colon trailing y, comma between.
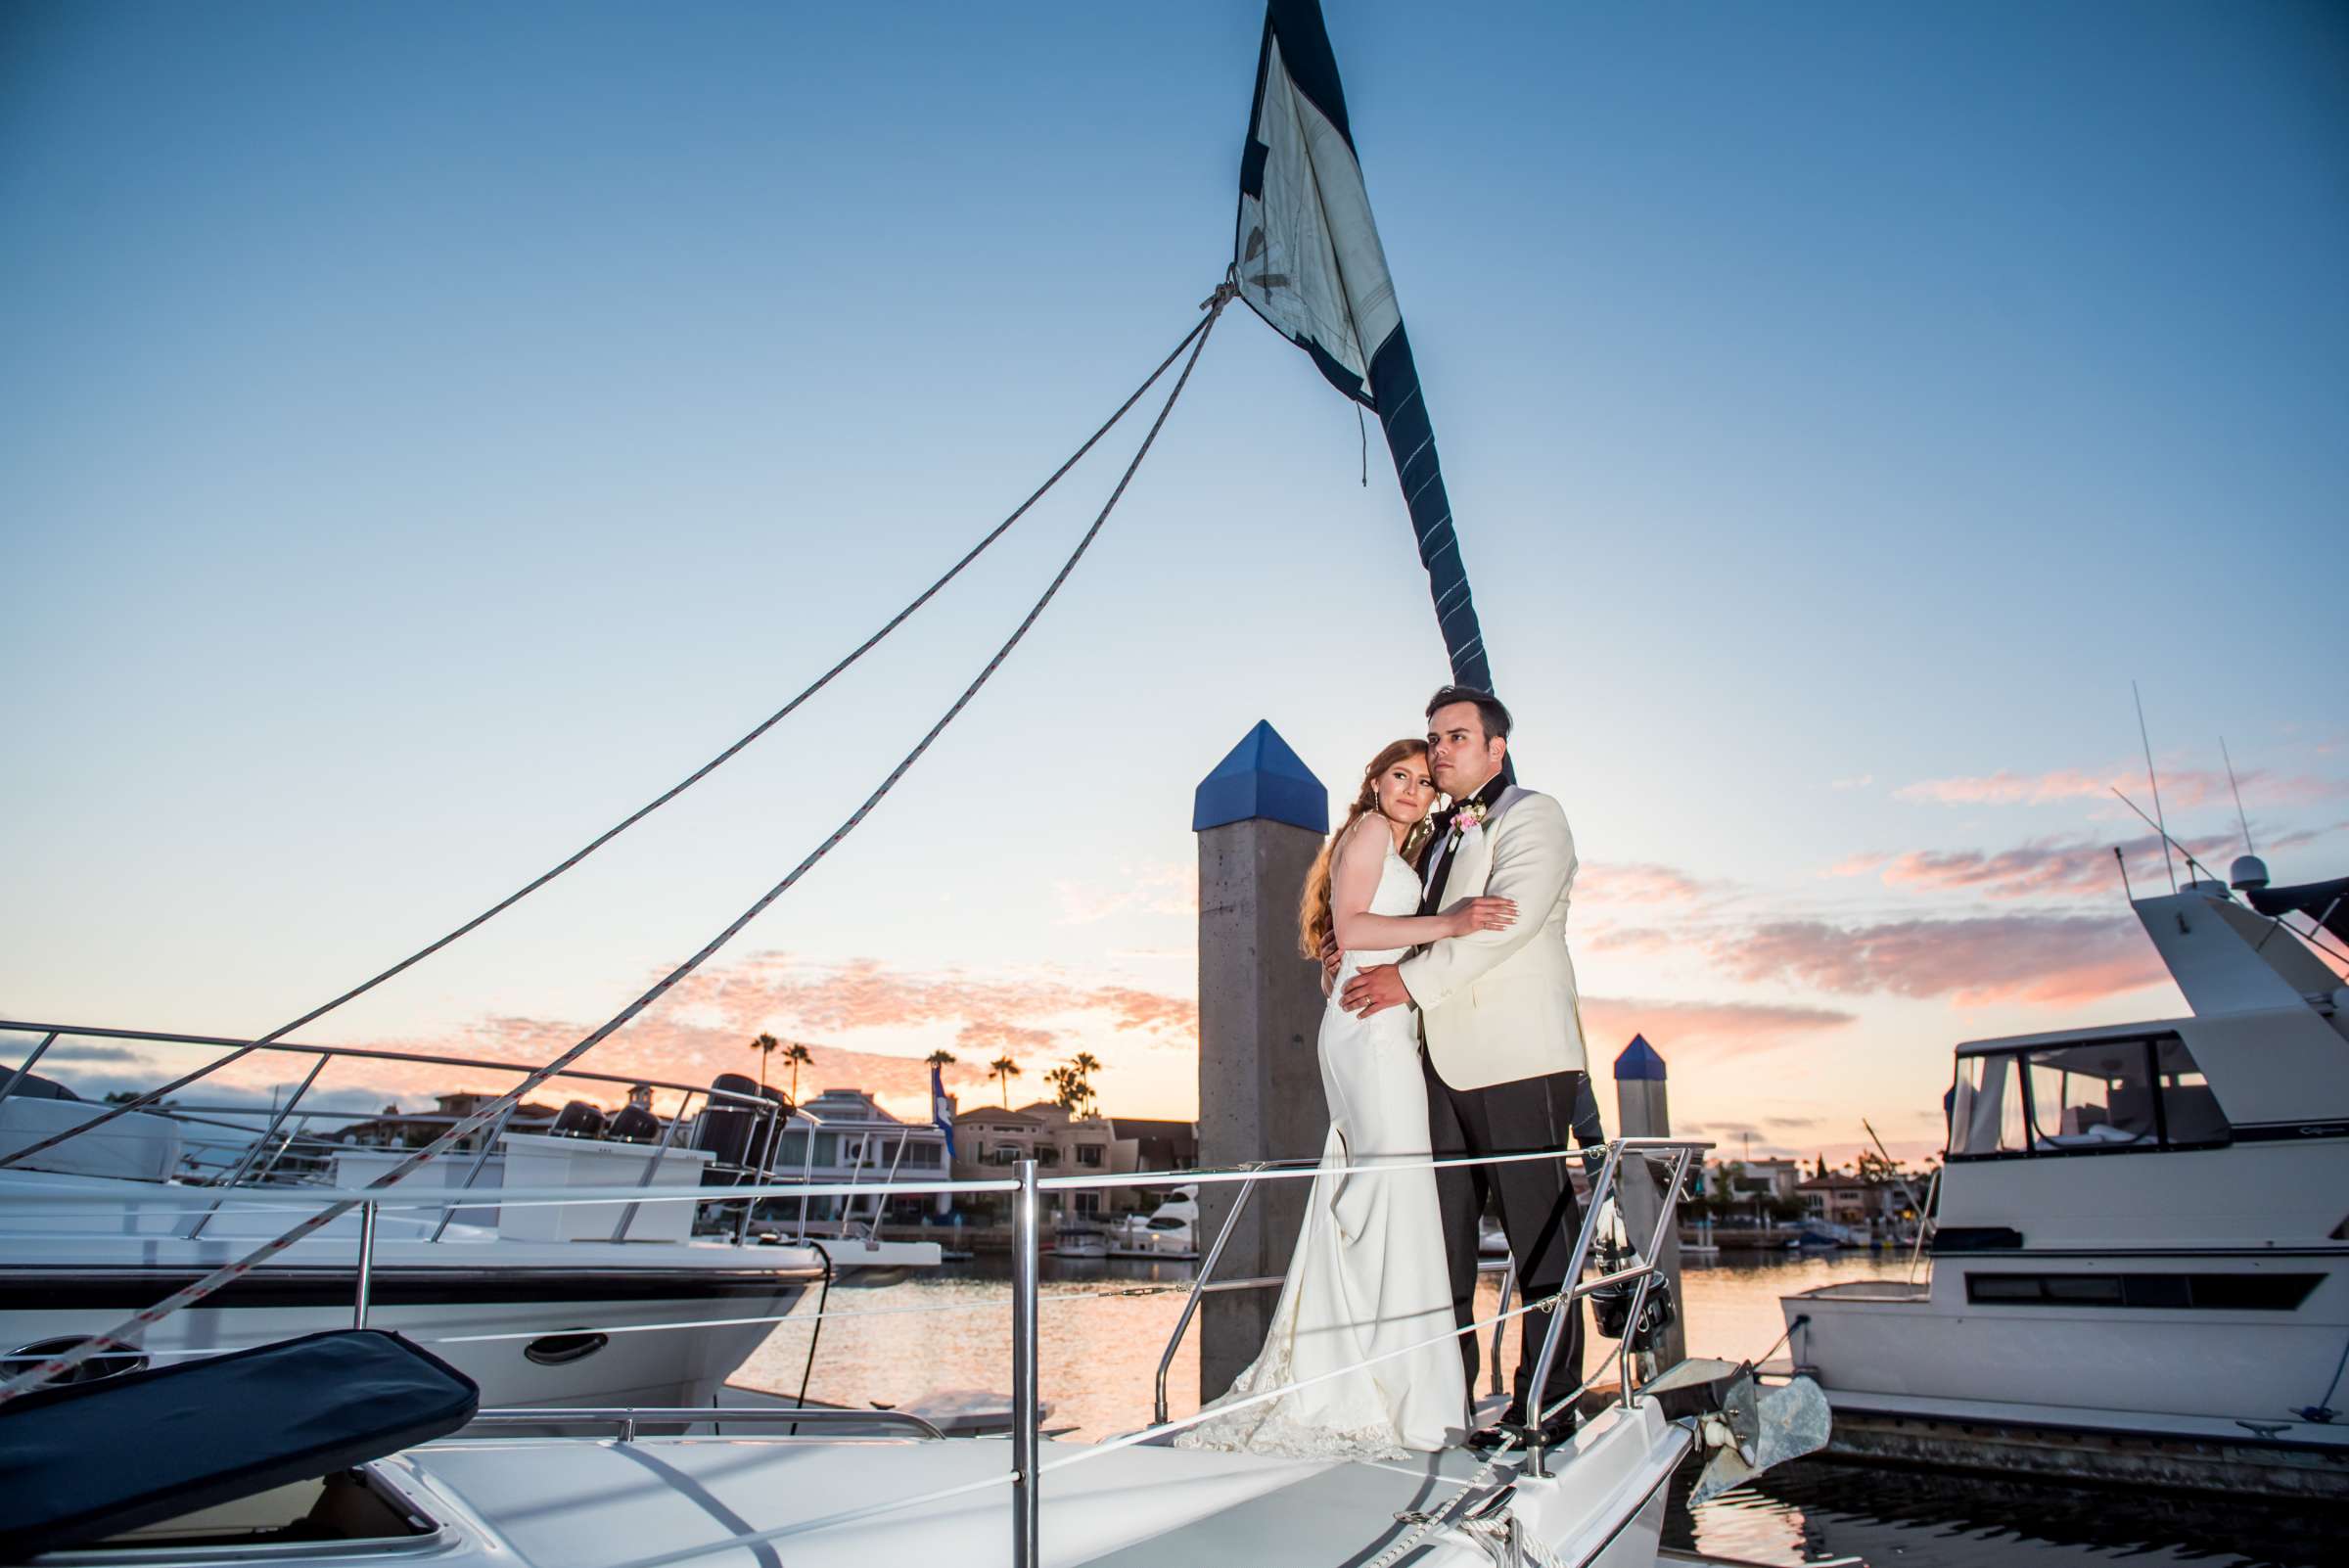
x: 1309, y: 262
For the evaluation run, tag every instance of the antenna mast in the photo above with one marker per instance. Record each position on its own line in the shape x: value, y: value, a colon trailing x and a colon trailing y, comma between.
x: 2160, y: 826
x: 2238, y: 798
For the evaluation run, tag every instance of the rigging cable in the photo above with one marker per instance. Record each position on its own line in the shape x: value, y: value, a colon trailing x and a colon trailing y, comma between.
x: 142, y: 1101
x: 128, y: 1333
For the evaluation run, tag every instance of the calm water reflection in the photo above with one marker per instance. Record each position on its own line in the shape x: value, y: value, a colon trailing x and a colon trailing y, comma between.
x: 1105, y: 1323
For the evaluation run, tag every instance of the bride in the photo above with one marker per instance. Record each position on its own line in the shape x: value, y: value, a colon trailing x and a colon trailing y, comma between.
x: 1368, y: 1276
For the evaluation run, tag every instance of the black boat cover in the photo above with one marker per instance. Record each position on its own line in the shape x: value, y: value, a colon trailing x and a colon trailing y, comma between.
x: 2325, y: 903
x: 88, y: 1460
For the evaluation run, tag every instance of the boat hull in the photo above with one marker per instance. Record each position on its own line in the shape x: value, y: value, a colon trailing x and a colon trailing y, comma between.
x: 554, y: 1336
x: 2192, y: 1397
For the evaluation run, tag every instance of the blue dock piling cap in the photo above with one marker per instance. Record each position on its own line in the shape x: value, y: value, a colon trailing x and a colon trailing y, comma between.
x: 1639, y: 1063
x: 1263, y: 778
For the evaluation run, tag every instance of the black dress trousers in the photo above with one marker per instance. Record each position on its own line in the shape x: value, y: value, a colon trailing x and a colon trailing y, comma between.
x: 1534, y: 1197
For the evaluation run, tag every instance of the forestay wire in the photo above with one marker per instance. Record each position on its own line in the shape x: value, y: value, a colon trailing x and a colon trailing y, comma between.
x: 142, y: 1101
x: 127, y: 1335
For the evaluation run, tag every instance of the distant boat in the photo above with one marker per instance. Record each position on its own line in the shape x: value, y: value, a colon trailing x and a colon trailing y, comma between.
x: 1080, y: 1239
x: 1170, y: 1232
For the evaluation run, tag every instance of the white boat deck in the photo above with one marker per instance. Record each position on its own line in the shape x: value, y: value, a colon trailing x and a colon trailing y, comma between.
x: 837, y: 1504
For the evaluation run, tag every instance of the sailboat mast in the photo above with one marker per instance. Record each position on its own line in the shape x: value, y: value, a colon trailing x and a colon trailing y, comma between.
x: 1307, y: 257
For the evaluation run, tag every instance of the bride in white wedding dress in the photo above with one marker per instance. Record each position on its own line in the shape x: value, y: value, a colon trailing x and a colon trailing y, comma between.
x: 1368, y: 1276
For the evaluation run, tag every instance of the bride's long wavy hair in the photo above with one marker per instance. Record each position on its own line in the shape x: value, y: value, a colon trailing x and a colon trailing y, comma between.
x: 1314, y: 919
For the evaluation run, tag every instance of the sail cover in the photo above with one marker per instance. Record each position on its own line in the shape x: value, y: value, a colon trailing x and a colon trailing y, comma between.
x: 1308, y: 259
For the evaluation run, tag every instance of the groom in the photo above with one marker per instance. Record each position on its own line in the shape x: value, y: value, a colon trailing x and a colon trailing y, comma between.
x: 1503, y: 1041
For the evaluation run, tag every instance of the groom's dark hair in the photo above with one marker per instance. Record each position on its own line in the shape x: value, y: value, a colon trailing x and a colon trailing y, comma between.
x: 1489, y: 711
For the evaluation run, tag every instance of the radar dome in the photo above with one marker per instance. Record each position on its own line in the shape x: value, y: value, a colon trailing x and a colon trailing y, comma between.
x: 2248, y: 872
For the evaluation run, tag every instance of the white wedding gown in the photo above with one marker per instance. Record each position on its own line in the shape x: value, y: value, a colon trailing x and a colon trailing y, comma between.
x: 1368, y: 1276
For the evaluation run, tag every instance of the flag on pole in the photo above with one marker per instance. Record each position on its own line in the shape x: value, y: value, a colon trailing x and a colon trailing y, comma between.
x: 941, y: 1110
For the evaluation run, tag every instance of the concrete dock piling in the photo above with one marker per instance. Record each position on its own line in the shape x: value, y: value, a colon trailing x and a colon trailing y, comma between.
x: 1261, y: 817
x: 1643, y: 1110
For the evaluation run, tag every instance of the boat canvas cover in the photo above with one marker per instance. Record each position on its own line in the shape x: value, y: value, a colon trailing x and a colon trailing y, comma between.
x: 1307, y: 257
x: 88, y: 1460
x: 2325, y: 903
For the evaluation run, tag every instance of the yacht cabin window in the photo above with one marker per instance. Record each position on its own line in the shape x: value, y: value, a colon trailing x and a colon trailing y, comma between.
x: 2125, y: 1093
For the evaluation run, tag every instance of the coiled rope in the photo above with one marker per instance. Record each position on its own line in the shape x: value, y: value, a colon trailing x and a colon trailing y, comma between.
x: 142, y: 1101
x: 126, y: 1335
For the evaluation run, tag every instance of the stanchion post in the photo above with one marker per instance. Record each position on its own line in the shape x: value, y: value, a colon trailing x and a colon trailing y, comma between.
x: 359, y: 1310
x: 1025, y: 1491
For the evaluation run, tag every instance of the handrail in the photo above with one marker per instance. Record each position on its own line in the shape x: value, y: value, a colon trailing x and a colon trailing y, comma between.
x: 366, y: 1052
x: 260, y: 1140
x: 627, y: 1417
x: 307, y: 1197
x: 1668, y: 1208
x: 1206, y: 1267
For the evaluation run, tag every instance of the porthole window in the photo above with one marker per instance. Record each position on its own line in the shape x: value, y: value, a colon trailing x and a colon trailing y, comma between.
x: 561, y: 1349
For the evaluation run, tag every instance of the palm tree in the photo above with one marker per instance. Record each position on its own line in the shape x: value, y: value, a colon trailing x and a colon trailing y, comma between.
x: 941, y: 1059
x: 766, y: 1046
x: 797, y: 1055
x: 1081, y: 1067
x: 1005, y: 1070
x: 1064, y: 1086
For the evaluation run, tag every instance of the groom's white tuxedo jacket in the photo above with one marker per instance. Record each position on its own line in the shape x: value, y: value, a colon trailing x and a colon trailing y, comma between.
x: 1500, y: 1005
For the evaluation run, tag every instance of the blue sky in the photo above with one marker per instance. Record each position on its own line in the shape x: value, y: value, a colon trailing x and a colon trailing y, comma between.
x: 427, y: 431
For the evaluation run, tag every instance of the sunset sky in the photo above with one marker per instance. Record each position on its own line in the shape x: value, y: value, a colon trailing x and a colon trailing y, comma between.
x: 426, y: 432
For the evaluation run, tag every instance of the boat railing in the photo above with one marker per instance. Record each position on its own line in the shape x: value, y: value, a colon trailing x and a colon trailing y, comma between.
x: 288, y: 1126
x: 629, y: 1417
x: 1027, y: 1191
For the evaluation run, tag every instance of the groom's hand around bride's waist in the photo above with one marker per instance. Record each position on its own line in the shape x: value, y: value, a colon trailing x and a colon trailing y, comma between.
x: 1374, y: 990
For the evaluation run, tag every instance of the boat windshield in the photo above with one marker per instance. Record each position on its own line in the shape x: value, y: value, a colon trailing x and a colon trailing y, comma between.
x: 2085, y: 1096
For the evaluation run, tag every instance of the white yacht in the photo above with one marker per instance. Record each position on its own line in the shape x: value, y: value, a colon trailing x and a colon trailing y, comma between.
x: 541, y: 1303
x: 1172, y: 1230
x: 2140, y: 1266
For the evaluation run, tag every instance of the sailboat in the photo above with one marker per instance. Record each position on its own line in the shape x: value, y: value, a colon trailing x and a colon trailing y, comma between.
x: 394, y: 1456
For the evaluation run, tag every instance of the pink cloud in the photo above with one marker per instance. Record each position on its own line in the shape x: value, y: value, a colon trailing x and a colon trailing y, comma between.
x: 1164, y: 890
x: 1638, y: 882
x: 2181, y: 787
x: 771, y: 989
x: 2054, y: 867
x: 2058, y: 960
x: 1603, y: 938
x: 1677, y: 1027
x: 704, y: 1026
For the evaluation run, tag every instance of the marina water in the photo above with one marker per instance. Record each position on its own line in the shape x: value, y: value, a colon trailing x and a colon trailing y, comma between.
x: 1105, y: 1323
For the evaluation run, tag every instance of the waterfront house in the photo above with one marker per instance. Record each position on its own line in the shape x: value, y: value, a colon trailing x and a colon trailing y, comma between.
x: 989, y: 1141
x: 855, y: 1140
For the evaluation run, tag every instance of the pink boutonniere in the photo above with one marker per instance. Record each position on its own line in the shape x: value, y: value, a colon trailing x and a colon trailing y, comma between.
x: 1467, y: 817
